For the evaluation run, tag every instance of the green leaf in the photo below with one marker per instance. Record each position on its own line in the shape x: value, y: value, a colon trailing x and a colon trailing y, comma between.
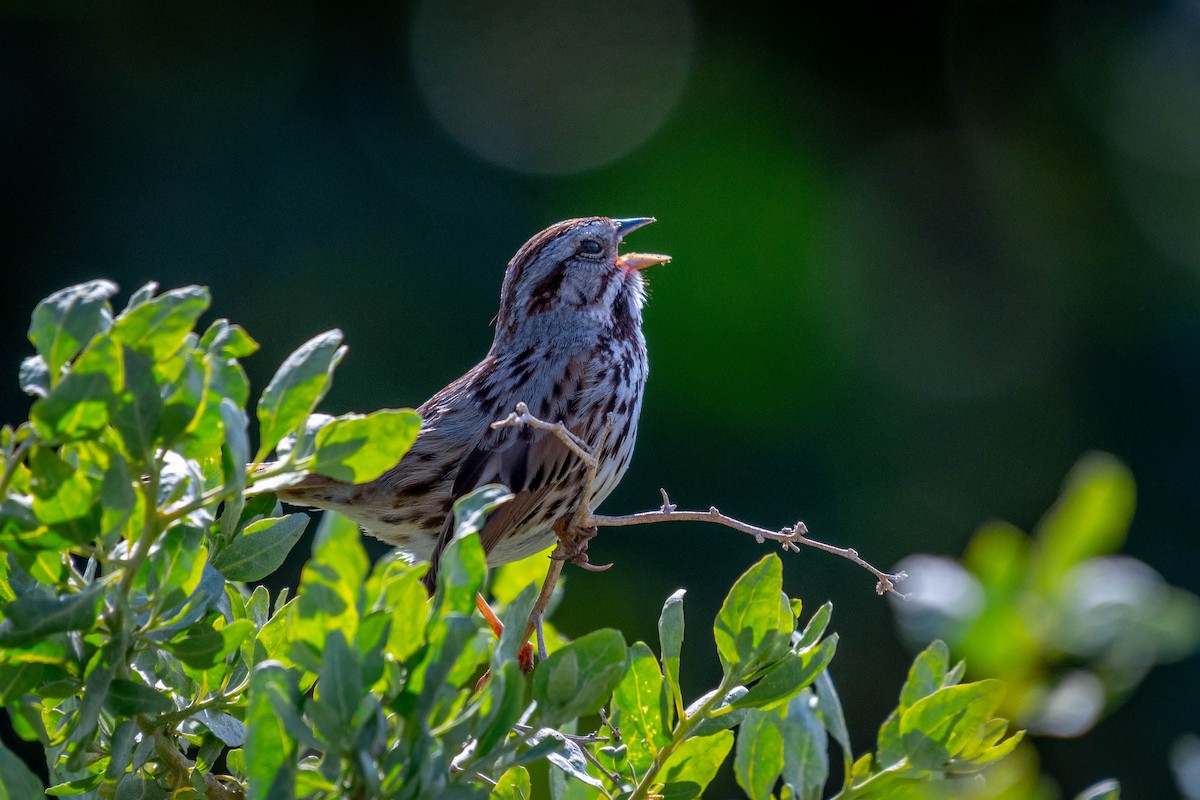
x: 101, y: 670
x: 33, y: 617
x: 513, y: 785
x: 830, y: 707
x: 471, y: 510
x: 758, y: 760
x: 568, y: 756
x: 261, y: 548
x: 127, y: 698
x: 80, y: 404
x: 1091, y: 518
x: 936, y: 728
x: 579, y: 678
x: 749, y: 627
x: 235, y: 448
x: 339, y: 684
x: 63, y: 323
x: 157, y: 326
x: 139, y: 406
x: 806, y: 747
x: 270, y: 751
x: 204, y: 645
x: 230, y: 341
x: 815, y: 627
x: 503, y: 704
x: 330, y: 587
x: 122, y: 749
x: 225, y: 727
x: 356, y: 448
x: 926, y: 674
x: 784, y: 679
x: 17, y: 782
x: 297, y: 387
x: 694, y: 764
x: 638, y: 702
x: 60, y: 492
x: 670, y: 638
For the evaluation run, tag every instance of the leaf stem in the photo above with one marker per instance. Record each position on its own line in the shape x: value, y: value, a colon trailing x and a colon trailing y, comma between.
x: 683, y: 729
x: 10, y: 464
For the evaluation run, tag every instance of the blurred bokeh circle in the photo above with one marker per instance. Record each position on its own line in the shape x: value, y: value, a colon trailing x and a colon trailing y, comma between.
x: 552, y: 88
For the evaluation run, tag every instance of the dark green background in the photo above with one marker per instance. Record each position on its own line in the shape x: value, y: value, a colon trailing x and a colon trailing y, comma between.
x: 925, y: 256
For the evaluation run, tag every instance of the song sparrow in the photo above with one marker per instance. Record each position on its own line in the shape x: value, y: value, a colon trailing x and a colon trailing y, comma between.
x: 569, y: 344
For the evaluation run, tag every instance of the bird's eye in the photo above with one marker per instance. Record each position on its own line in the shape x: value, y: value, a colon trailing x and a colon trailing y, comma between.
x: 590, y: 246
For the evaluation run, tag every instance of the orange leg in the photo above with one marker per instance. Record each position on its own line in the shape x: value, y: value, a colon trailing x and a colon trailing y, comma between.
x: 525, y: 657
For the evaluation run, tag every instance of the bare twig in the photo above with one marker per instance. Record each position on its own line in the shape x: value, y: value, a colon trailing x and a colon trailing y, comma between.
x: 584, y: 521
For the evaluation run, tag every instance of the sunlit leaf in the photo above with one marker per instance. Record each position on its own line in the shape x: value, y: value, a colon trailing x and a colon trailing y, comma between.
x: 355, y: 448
x: 80, y: 404
x: 670, y: 638
x: 261, y: 548
x: 579, y: 678
x: 62, y: 323
x: 749, y: 626
x: 297, y: 387
x: 513, y: 785
x: 758, y: 761
x: 788, y: 676
x: 694, y: 764
x: 936, y: 727
x: 638, y: 700
x: 270, y: 751
x: 157, y: 326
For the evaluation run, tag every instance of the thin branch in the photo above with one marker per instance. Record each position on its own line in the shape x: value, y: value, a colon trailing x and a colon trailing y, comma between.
x: 181, y: 766
x: 584, y: 520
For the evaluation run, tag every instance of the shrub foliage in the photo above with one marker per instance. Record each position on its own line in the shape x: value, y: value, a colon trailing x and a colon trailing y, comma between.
x: 136, y: 515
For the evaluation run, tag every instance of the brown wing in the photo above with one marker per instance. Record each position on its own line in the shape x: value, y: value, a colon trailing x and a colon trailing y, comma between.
x: 528, y: 461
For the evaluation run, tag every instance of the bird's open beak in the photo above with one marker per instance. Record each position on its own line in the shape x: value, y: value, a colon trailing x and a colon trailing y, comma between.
x: 632, y: 261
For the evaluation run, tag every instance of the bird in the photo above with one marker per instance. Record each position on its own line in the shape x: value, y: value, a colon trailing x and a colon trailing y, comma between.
x: 569, y: 344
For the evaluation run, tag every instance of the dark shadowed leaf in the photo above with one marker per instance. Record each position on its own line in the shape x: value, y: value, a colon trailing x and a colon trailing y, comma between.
x: 17, y: 782
x: 806, y: 747
x: 127, y: 698
x: 32, y: 617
